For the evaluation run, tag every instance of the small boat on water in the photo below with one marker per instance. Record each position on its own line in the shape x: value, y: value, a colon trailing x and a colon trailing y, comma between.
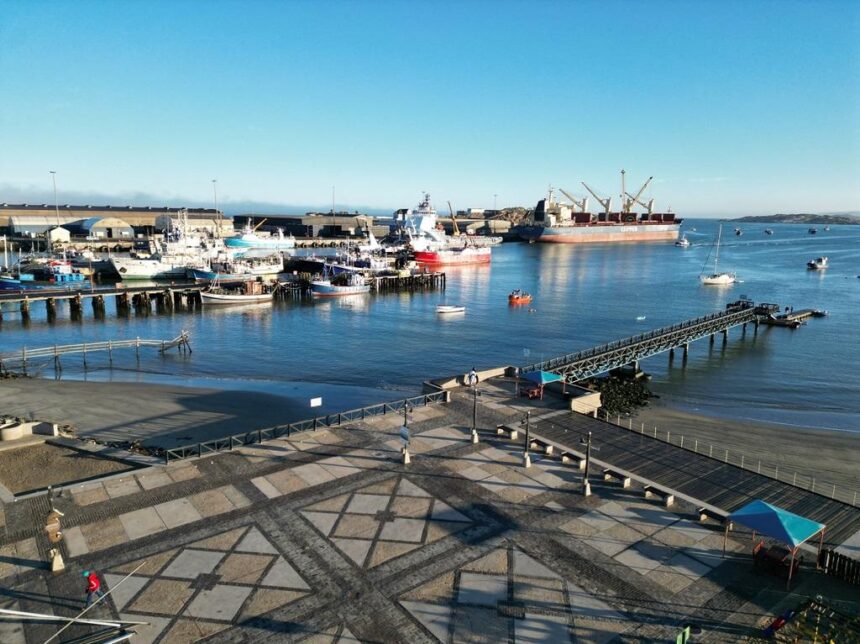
x: 738, y: 232
x: 826, y: 228
x: 716, y: 278
x: 249, y: 293
x: 343, y: 284
x: 683, y: 242
x: 445, y: 309
x: 518, y: 297
x: 817, y: 264
x: 813, y: 231
x: 768, y: 231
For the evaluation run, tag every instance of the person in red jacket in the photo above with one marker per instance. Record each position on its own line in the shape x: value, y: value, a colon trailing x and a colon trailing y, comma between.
x: 94, y: 586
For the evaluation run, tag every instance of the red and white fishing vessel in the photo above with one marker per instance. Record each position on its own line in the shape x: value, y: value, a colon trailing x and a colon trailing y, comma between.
x: 455, y: 256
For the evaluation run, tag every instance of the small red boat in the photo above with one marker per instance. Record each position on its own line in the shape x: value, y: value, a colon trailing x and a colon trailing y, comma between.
x: 519, y: 297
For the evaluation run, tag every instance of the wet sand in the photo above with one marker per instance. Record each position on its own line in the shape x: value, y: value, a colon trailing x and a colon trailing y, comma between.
x: 163, y: 415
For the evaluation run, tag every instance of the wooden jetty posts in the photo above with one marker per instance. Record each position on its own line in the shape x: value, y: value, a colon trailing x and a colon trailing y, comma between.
x: 25, y: 356
x: 166, y: 299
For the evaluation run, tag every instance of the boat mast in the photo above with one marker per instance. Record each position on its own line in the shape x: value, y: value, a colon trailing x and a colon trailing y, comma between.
x: 717, y: 254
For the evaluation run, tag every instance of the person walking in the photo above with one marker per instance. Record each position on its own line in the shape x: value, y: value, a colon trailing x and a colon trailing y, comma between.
x: 94, y: 586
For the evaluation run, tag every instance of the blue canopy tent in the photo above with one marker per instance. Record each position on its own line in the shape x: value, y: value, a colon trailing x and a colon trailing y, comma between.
x: 542, y: 378
x: 782, y: 525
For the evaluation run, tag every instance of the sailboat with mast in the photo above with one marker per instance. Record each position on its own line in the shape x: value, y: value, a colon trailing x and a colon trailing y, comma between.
x: 716, y: 278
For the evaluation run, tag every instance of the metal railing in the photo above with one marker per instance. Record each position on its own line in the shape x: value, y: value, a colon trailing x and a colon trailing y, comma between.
x: 253, y: 437
x: 645, y: 344
x: 738, y: 459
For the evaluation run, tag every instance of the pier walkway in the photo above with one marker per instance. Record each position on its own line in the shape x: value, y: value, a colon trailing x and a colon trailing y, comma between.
x: 600, y: 359
x: 698, y: 478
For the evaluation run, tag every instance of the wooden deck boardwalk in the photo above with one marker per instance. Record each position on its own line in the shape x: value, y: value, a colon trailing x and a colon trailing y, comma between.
x: 695, y: 477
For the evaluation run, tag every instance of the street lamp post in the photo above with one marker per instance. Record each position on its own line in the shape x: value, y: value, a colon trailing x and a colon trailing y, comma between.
x: 404, y: 433
x: 56, y: 203
x: 475, y: 414
x: 527, y: 460
x: 215, y: 197
x: 586, y: 486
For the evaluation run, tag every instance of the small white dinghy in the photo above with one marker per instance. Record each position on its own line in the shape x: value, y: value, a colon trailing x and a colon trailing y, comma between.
x: 445, y: 309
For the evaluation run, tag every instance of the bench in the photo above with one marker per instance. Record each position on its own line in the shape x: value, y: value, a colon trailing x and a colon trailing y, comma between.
x: 667, y: 497
x: 580, y: 461
x: 705, y: 514
x: 507, y: 429
x: 608, y: 475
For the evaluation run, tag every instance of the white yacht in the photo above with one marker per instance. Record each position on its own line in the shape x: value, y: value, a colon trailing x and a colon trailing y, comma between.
x: 716, y: 278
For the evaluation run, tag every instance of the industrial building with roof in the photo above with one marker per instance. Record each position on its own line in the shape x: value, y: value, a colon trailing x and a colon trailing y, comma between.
x: 35, y: 219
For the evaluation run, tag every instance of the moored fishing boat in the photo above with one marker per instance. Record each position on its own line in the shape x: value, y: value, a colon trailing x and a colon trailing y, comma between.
x: 251, y: 292
x: 241, y: 268
x: 345, y: 284
x: 249, y: 239
x: 455, y: 256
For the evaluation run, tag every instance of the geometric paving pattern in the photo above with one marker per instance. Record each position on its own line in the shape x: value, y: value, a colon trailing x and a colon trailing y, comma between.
x: 650, y: 540
x: 383, y: 521
x: 506, y: 595
x: 194, y: 591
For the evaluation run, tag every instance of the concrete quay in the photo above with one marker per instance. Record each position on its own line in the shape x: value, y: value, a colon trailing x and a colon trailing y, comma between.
x: 328, y: 536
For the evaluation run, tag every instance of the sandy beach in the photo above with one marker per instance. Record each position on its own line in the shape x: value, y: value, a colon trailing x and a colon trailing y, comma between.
x: 170, y: 415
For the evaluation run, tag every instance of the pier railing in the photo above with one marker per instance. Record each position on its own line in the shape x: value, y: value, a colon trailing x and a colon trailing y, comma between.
x: 256, y: 436
x: 737, y: 458
x: 600, y: 359
x: 24, y: 355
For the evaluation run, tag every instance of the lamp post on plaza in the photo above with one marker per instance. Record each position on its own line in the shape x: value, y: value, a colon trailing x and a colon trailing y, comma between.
x: 475, y: 414
x: 527, y: 460
x: 586, y: 486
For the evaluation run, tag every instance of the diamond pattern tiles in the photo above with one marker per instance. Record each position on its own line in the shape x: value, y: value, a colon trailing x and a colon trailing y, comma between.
x: 194, y: 591
x: 507, y: 595
x: 383, y: 521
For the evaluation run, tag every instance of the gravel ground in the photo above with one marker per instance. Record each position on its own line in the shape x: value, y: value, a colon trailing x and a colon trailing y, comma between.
x: 37, y: 466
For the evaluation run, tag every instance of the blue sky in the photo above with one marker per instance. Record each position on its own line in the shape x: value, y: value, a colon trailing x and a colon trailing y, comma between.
x: 733, y: 107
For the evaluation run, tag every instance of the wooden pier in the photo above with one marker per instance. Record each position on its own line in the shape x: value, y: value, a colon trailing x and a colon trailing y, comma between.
x: 793, y: 319
x: 20, y: 359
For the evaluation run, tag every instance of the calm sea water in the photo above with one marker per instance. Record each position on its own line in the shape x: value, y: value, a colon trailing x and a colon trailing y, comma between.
x: 361, y: 350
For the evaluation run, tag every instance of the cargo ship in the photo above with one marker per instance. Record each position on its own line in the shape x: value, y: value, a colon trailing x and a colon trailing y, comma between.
x: 571, y: 223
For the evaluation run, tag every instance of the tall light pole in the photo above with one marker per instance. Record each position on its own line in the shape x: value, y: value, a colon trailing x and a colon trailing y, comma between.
x: 56, y: 203
x: 586, y: 486
x: 215, y: 197
x: 475, y: 413
x: 527, y: 421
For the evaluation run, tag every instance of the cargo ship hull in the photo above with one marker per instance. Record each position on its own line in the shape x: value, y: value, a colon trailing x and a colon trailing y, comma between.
x: 601, y: 233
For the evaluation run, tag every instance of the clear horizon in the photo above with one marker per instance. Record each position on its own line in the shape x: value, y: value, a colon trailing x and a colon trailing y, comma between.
x: 734, y: 108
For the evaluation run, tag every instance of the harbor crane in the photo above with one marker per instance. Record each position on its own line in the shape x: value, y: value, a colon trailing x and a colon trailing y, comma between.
x: 582, y: 204
x: 606, y: 203
x: 455, y: 229
x: 648, y: 206
x: 627, y: 203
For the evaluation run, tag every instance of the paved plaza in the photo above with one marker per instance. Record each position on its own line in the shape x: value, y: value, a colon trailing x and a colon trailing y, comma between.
x: 328, y: 537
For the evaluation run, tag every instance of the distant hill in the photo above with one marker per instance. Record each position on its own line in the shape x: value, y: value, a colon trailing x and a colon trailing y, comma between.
x: 803, y: 218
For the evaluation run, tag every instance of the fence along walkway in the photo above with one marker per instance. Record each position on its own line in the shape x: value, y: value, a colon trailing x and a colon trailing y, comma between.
x: 20, y: 358
x: 227, y: 443
x: 600, y: 359
x: 697, y: 477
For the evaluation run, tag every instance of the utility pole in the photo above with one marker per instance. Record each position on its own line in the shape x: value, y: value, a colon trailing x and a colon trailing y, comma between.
x: 475, y: 414
x: 56, y: 203
x: 215, y: 197
x: 527, y: 461
x: 404, y: 433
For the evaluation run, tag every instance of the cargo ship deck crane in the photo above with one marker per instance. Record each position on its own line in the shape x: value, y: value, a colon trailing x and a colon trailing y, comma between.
x: 649, y: 207
x: 628, y: 203
x: 581, y: 204
x: 455, y: 230
x: 606, y: 203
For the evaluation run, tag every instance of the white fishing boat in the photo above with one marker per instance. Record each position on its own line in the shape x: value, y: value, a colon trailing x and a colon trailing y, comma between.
x: 447, y: 309
x: 344, y: 284
x: 716, y: 278
x: 817, y: 264
x: 683, y: 242
x: 248, y: 293
x: 249, y: 239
